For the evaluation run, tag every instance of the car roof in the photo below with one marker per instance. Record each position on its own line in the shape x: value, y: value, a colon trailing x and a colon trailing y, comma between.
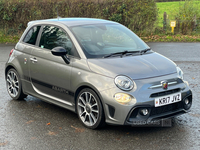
x: 72, y: 21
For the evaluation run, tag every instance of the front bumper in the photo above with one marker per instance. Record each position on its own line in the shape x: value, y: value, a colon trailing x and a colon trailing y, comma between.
x: 119, y: 114
x: 158, y: 113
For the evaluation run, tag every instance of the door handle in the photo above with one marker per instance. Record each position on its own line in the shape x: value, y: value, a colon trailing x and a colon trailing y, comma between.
x: 34, y: 60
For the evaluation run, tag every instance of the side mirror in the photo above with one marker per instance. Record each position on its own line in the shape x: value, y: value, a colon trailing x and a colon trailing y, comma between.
x: 59, y: 51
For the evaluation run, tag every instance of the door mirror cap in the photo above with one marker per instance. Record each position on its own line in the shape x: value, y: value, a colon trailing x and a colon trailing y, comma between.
x: 59, y: 51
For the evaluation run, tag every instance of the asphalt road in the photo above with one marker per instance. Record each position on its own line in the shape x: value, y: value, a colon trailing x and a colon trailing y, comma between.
x: 33, y: 124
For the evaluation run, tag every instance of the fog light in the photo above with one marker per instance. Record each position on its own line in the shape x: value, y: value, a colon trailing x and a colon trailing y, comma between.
x: 187, y: 101
x: 144, y: 111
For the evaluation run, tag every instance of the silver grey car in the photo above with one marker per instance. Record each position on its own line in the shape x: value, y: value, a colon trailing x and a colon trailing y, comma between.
x: 98, y: 69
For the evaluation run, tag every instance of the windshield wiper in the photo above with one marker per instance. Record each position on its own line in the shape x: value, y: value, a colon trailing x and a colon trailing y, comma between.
x: 120, y: 53
x: 144, y: 51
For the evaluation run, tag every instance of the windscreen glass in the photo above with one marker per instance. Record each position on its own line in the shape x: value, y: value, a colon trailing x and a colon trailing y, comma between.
x: 104, y: 39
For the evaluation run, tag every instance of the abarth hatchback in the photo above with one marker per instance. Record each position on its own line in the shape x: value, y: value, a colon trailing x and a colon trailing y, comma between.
x: 98, y: 69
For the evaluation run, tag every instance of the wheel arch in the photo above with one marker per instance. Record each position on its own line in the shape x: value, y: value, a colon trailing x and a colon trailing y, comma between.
x: 8, y: 68
x: 21, y: 94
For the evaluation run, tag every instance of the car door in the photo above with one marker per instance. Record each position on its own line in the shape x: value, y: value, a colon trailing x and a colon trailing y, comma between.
x: 50, y: 75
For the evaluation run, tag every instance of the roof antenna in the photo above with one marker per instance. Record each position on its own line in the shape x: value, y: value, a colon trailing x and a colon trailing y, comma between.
x: 57, y: 13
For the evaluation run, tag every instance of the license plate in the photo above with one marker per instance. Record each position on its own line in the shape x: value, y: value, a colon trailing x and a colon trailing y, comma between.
x: 169, y: 99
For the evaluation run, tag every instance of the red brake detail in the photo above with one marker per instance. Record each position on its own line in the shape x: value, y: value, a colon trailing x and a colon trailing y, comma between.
x: 11, y: 52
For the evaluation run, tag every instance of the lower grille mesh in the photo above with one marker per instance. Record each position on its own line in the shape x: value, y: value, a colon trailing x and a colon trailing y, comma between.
x: 167, y: 108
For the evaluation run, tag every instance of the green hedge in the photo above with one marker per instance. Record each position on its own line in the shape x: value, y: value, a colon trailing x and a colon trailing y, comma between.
x: 138, y: 15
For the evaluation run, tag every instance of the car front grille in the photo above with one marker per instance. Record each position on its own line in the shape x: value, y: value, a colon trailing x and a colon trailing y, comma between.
x: 163, y: 93
x: 165, y: 109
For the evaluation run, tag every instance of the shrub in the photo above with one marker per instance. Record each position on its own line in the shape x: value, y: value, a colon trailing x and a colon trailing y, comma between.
x: 138, y: 15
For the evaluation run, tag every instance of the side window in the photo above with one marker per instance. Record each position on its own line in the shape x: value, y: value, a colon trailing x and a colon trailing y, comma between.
x: 32, y: 34
x: 55, y: 37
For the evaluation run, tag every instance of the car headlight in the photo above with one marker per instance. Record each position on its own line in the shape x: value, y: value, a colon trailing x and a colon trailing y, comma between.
x: 179, y: 72
x: 124, y: 83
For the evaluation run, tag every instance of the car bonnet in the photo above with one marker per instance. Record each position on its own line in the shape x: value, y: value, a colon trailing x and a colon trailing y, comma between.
x: 135, y: 67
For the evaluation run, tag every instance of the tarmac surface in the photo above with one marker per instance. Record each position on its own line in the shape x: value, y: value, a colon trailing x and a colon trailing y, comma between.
x: 33, y: 124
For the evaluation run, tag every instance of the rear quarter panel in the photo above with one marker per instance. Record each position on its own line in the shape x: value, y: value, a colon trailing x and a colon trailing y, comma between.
x: 19, y: 60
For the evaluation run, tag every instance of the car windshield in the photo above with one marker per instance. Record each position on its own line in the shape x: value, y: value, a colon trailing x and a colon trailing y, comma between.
x: 101, y: 40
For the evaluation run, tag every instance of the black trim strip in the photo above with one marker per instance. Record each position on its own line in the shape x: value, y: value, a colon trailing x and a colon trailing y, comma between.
x: 52, y: 87
x: 27, y: 78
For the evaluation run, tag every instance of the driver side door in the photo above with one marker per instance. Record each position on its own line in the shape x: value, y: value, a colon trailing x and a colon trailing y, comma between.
x: 50, y: 75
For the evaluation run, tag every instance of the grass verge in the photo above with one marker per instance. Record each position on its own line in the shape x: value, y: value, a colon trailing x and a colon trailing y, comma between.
x: 171, y: 38
x: 167, y: 7
x: 4, y: 38
x: 170, y: 8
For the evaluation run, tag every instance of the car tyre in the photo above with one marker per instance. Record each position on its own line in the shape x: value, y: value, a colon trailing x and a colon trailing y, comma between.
x: 89, y: 109
x: 14, y: 85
